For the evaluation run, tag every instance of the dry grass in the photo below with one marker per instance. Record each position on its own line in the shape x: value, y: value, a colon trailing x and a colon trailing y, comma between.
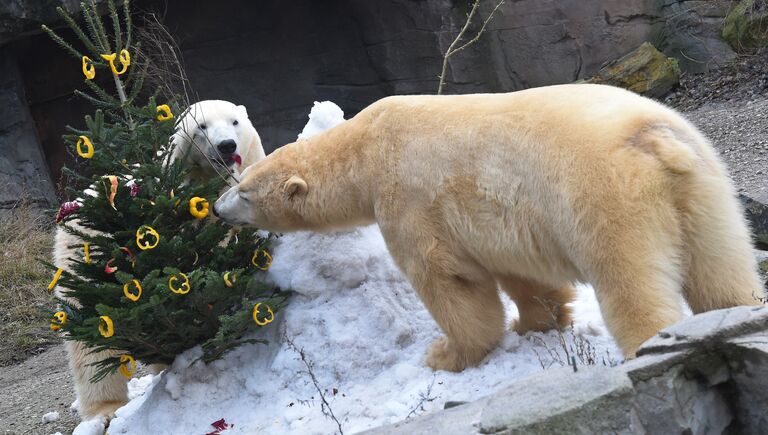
x: 25, y: 237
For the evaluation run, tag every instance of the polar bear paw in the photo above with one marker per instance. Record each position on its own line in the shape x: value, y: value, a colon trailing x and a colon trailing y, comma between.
x: 101, y: 410
x: 442, y: 355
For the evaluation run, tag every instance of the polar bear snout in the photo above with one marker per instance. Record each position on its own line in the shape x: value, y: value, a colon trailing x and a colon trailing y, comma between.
x: 227, y: 147
x: 231, y: 208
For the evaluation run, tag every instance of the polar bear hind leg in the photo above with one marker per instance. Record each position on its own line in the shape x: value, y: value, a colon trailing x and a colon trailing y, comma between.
x: 541, y: 307
x: 722, y: 270
x: 637, y: 268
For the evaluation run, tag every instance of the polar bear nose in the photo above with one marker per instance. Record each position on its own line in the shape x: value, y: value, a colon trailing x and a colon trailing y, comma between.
x: 227, y: 146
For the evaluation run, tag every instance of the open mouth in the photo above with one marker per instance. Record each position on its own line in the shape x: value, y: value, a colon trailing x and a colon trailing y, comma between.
x: 229, y: 160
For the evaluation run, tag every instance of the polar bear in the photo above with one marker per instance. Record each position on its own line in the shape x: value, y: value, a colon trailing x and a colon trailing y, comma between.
x: 528, y: 191
x: 212, y: 137
x: 215, y: 136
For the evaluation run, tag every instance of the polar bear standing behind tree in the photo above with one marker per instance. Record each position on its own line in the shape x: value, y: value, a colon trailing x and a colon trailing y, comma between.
x: 213, y: 138
x: 528, y: 191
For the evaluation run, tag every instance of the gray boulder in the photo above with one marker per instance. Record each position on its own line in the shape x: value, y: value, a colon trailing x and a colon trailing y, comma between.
x: 757, y: 215
x: 644, y: 70
x: 746, y: 26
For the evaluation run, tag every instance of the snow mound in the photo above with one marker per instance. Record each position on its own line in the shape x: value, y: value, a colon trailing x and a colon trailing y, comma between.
x: 50, y: 417
x: 90, y: 427
x: 354, y: 335
x: 363, y: 330
x: 323, y: 116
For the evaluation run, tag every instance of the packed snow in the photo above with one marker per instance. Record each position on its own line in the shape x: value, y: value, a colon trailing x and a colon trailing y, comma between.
x: 363, y: 331
x: 324, y: 115
x: 90, y: 427
x: 50, y: 417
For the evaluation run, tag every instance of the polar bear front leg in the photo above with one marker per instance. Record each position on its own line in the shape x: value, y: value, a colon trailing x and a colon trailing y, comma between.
x: 99, y: 399
x: 471, y: 315
x: 460, y: 295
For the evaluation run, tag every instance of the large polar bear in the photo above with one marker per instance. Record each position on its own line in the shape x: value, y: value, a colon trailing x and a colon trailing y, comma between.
x: 530, y: 191
x: 213, y: 137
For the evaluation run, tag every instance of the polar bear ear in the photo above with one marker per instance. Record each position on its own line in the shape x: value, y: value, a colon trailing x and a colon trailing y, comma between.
x: 295, y: 186
x: 243, y: 110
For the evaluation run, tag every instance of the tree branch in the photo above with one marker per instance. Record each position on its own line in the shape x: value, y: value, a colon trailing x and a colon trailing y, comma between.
x: 451, y: 48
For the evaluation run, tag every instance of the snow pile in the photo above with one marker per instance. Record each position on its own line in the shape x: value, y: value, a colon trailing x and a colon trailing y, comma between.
x: 90, y: 427
x: 356, y: 321
x: 50, y: 417
x: 365, y: 333
x: 323, y: 116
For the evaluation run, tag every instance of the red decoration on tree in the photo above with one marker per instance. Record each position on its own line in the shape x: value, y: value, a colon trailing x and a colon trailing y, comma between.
x: 67, y: 209
x: 134, y: 188
x: 220, y: 425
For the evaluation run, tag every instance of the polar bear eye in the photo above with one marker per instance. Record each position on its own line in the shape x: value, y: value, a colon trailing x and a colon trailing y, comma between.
x: 234, y: 122
x: 203, y: 126
x: 243, y: 197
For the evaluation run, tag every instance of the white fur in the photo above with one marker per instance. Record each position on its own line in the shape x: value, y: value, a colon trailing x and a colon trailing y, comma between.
x: 529, y: 191
x: 196, y: 145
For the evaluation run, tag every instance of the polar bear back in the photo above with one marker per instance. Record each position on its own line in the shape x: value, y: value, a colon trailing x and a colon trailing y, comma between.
x: 522, y: 169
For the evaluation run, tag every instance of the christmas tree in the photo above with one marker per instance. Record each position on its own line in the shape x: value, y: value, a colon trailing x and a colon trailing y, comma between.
x: 155, y: 274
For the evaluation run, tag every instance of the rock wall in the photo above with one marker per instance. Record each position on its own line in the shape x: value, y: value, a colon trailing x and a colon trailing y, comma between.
x: 24, y: 173
x: 277, y: 57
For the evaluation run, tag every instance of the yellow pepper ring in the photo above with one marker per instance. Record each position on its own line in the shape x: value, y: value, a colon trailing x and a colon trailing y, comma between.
x: 164, y: 113
x: 61, y: 317
x: 88, y: 153
x: 106, y: 327
x: 55, y: 279
x: 143, y: 231
x: 255, y: 259
x: 127, y: 366
x: 125, y: 60
x: 266, y: 320
x: 89, y: 71
x: 183, y: 289
x: 230, y: 282
x: 127, y: 292
x: 198, y: 207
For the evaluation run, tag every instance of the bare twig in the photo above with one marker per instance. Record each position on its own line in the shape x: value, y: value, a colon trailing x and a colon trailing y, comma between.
x: 165, y: 63
x: 424, y: 397
x: 452, y: 48
x: 572, y: 350
x: 324, y: 406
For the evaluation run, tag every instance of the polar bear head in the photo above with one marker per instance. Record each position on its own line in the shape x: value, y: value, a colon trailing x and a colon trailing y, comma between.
x: 216, y: 136
x: 268, y: 196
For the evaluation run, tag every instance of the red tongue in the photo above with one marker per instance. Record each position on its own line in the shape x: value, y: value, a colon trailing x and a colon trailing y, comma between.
x: 237, y: 159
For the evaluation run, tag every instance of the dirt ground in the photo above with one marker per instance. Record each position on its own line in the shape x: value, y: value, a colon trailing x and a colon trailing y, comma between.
x: 33, y: 388
x: 730, y: 106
